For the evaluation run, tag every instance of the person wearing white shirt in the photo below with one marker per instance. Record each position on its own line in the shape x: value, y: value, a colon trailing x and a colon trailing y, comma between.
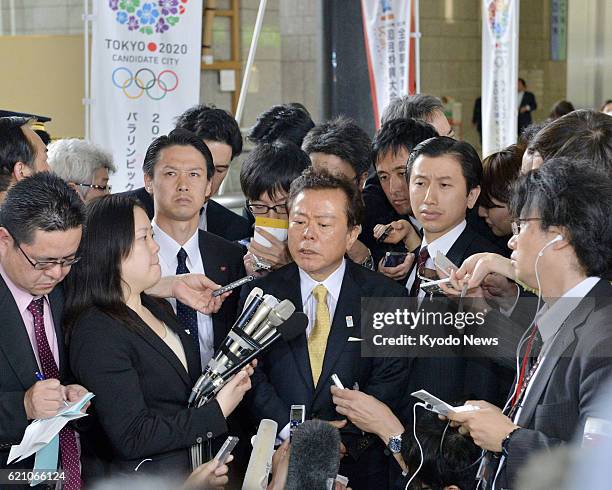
x: 178, y: 169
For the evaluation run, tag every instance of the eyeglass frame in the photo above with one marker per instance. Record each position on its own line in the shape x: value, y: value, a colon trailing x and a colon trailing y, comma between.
x: 516, y: 224
x: 45, y: 265
x: 106, y: 187
x: 268, y: 208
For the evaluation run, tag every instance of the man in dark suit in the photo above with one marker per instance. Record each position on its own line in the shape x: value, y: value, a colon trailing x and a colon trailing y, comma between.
x: 527, y: 104
x: 42, y: 220
x: 323, y: 224
x: 562, y: 245
x: 221, y: 134
x: 178, y: 169
x: 444, y: 183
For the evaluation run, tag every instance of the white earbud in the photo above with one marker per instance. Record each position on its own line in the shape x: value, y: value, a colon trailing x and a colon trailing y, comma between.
x: 558, y: 238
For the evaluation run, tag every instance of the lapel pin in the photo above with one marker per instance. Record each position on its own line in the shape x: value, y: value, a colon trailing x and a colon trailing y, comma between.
x: 349, y: 321
x: 222, y: 268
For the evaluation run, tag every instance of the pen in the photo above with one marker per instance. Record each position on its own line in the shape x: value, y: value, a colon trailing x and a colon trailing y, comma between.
x: 41, y: 377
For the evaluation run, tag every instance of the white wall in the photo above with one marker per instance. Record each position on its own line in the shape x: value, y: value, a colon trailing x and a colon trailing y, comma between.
x: 589, y: 52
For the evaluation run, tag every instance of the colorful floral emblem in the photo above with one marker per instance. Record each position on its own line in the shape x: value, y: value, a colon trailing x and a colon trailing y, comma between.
x: 148, y: 17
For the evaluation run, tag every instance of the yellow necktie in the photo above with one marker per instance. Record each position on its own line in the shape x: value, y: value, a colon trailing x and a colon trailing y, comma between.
x: 317, y: 341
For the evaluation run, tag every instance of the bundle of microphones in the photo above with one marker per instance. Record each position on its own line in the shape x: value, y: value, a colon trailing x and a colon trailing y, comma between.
x: 264, y: 320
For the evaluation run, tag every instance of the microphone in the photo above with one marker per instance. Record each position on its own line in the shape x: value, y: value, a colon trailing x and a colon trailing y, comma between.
x: 314, y: 457
x: 260, y: 462
x: 279, y: 315
x: 234, y: 341
x: 288, y: 331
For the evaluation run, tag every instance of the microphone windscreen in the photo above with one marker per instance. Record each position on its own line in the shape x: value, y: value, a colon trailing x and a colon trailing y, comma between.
x: 256, y: 477
x: 293, y: 327
x: 314, y: 456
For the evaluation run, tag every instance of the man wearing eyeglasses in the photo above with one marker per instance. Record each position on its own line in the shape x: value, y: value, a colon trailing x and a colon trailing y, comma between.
x: 85, y: 166
x: 39, y: 240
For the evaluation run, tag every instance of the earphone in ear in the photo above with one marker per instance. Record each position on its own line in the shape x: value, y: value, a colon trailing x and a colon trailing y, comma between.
x: 558, y: 238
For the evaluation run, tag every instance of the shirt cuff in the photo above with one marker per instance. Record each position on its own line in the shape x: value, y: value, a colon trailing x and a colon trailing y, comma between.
x: 508, y: 312
x: 283, y: 435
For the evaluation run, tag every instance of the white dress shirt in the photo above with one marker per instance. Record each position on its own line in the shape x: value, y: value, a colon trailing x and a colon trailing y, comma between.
x: 442, y: 244
x: 168, y: 250
x: 333, y: 284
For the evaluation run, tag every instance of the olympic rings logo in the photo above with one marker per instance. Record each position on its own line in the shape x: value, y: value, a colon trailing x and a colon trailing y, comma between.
x: 144, y: 81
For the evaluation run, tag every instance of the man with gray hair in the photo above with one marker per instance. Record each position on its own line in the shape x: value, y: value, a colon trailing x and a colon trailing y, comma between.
x: 419, y: 106
x: 83, y: 165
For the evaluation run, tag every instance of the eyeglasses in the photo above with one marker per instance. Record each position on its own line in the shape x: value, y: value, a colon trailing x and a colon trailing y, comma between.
x: 263, y: 208
x: 516, y: 224
x: 45, y: 264
x: 106, y: 187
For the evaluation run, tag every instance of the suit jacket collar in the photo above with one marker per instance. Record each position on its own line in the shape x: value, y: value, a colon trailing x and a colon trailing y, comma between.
x: 565, y: 338
x: 193, y: 361
x: 217, y: 270
x: 14, y: 340
x: 350, y: 294
x: 458, y: 251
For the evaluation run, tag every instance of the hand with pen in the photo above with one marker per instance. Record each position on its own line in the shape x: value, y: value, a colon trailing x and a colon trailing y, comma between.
x: 47, y: 396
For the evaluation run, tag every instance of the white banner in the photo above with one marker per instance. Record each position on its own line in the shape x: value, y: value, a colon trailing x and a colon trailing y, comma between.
x: 145, y: 71
x: 386, y: 29
x: 500, y: 27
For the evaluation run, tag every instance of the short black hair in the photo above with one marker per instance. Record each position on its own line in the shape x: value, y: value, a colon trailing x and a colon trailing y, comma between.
x: 582, y: 135
x: 528, y: 134
x: 561, y: 108
x: 417, y: 106
x: 271, y: 167
x: 570, y: 194
x: 40, y: 202
x: 343, y: 138
x: 319, y: 180
x: 14, y: 147
x: 522, y: 80
x: 398, y: 134
x: 286, y: 121
x: 448, y: 457
x: 213, y: 124
x: 463, y: 152
x: 177, y: 137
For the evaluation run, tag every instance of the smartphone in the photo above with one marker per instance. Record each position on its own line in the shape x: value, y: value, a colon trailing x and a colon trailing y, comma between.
x: 297, y: 415
x: 393, y: 259
x: 385, y: 234
x: 438, y: 406
x: 226, y: 449
x: 232, y: 285
x: 336, y: 381
x: 443, y: 263
x: 433, y: 287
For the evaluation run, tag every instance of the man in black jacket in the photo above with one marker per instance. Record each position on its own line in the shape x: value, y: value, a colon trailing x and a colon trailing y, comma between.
x: 323, y: 225
x: 221, y: 134
x: 527, y: 104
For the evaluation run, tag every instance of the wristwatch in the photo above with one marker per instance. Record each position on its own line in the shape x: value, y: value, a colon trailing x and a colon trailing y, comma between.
x: 368, y: 262
x: 395, y: 444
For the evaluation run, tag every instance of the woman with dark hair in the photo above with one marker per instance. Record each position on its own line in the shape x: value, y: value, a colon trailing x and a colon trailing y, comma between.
x: 290, y: 122
x: 560, y: 109
x: 499, y: 171
x: 131, y: 351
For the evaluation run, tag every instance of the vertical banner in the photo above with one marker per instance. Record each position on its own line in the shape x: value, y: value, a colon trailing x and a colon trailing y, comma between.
x: 386, y: 29
x: 558, y: 30
x: 145, y: 71
x: 500, y: 24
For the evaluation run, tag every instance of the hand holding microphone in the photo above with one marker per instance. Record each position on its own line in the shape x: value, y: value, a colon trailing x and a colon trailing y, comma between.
x: 234, y: 390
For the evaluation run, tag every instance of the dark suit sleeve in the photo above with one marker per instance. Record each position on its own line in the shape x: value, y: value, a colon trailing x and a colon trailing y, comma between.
x: 102, y: 358
x: 13, y: 418
x: 532, y: 101
x: 262, y: 399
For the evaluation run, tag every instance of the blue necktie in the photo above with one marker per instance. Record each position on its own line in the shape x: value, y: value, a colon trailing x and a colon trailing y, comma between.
x: 186, y: 315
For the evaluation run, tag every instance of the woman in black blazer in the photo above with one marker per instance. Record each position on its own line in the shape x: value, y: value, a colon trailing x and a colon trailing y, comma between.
x: 132, y: 353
